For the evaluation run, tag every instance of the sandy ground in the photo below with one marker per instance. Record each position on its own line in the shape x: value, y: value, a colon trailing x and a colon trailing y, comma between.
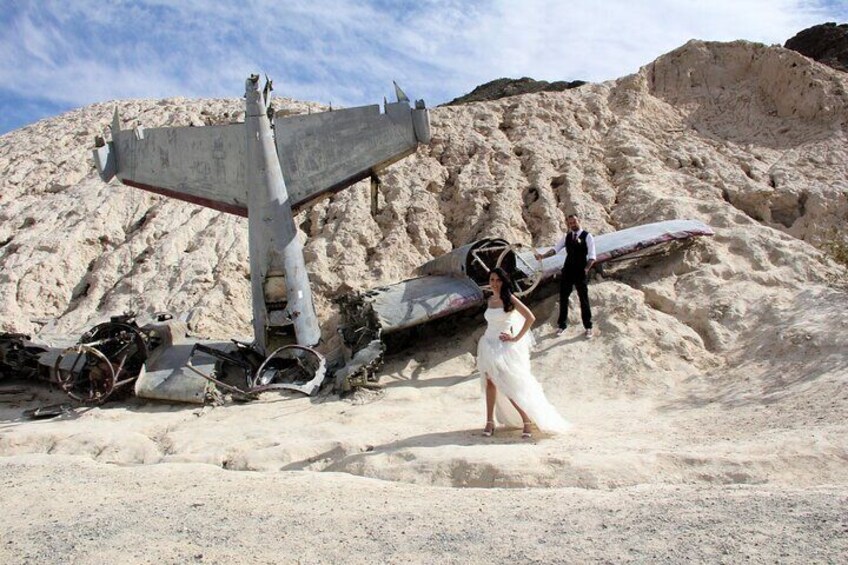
x: 198, y: 513
x: 709, y: 469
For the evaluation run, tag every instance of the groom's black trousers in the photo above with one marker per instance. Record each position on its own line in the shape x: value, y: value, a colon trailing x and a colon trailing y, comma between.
x: 567, y: 282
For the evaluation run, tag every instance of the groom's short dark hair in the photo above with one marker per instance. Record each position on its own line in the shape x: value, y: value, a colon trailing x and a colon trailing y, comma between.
x: 572, y: 216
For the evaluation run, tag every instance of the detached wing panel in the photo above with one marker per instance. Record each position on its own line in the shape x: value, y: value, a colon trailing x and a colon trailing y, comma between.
x: 327, y: 152
x: 610, y: 246
x: 203, y: 165
x: 417, y: 301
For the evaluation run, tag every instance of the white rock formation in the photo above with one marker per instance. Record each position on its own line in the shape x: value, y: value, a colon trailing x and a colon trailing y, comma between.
x: 750, y: 139
x: 719, y: 364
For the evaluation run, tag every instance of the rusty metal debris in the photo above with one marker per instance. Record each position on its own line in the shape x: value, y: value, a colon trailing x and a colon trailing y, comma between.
x: 49, y: 411
x: 291, y: 367
x: 18, y: 356
x: 104, y: 362
x: 161, y: 361
x: 360, y: 370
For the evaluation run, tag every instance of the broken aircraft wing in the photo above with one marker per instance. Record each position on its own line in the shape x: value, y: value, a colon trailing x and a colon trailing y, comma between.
x: 458, y: 280
x: 202, y: 165
x: 414, y: 301
x: 327, y: 152
x: 318, y: 153
x: 626, y: 242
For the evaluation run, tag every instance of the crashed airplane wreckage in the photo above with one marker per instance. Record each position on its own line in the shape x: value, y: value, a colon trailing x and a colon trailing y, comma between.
x: 105, y: 362
x: 162, y: 362
x: 267, y: 172
x: 266, y: 169
x: 459, y: 281
x: 156, y: 358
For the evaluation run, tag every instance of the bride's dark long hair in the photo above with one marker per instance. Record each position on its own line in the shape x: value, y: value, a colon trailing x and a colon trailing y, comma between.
x: 506, y: 289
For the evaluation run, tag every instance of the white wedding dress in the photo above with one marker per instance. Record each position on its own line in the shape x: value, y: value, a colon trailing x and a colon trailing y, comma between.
x: 507, y: 364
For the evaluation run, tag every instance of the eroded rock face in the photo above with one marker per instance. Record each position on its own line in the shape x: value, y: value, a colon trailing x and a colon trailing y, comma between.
x: 747, y: 138
x: 826, y: 43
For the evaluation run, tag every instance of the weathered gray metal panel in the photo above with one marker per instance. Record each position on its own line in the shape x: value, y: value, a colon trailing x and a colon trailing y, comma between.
x: 167, y: 378
x: 164, y: 375
x: 104, y: 160
x: 279, y: 281
x: 453, y: 263
x: 328, y: 151
x: 204, y: 165
x: 610, y: 246
x: 421, y: 123
x: 413, y: 302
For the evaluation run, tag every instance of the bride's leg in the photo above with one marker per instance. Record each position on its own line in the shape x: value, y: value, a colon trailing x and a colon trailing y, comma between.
x: 524, y: 418
x: 491, y: 396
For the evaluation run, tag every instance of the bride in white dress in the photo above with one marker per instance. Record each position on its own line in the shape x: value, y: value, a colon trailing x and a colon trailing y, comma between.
x: 513, y: 395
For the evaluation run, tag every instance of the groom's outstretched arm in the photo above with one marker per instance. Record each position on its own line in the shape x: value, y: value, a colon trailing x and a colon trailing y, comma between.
x: 553, y: 251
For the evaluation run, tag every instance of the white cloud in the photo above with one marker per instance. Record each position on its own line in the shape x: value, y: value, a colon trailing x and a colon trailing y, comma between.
x: 603, y: 40
x: 348, y: 52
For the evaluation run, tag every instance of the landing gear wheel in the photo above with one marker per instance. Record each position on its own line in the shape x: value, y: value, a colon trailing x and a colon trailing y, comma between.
x: 522, y: 266
x: 107, y: 358
x: 90, y: 377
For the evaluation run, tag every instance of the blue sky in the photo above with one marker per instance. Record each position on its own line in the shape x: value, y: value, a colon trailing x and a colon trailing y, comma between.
x: 55, y: 56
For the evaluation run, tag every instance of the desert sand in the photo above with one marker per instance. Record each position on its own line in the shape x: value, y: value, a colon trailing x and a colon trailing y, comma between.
x: 710, y: 412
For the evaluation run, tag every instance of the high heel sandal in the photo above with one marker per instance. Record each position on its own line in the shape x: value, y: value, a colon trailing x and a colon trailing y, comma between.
x: 489, y: 429
x: 525, y: 434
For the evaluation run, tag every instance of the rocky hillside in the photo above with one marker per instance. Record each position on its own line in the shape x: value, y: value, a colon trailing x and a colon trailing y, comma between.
x: 750, y: 139
x: 826, y: 43
x: 723, y: 362
x: 503, y: 87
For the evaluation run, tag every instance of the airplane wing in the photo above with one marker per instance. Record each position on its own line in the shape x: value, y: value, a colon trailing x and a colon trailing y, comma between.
x: 319, y: 154
x: 203, y: 165
x: 411, y: 302
x: 620, y: 244
x: 415, y: 301
x: 326, y: 152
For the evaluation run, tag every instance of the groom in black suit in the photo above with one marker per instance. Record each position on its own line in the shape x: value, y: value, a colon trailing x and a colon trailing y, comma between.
x: 580, y: 255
